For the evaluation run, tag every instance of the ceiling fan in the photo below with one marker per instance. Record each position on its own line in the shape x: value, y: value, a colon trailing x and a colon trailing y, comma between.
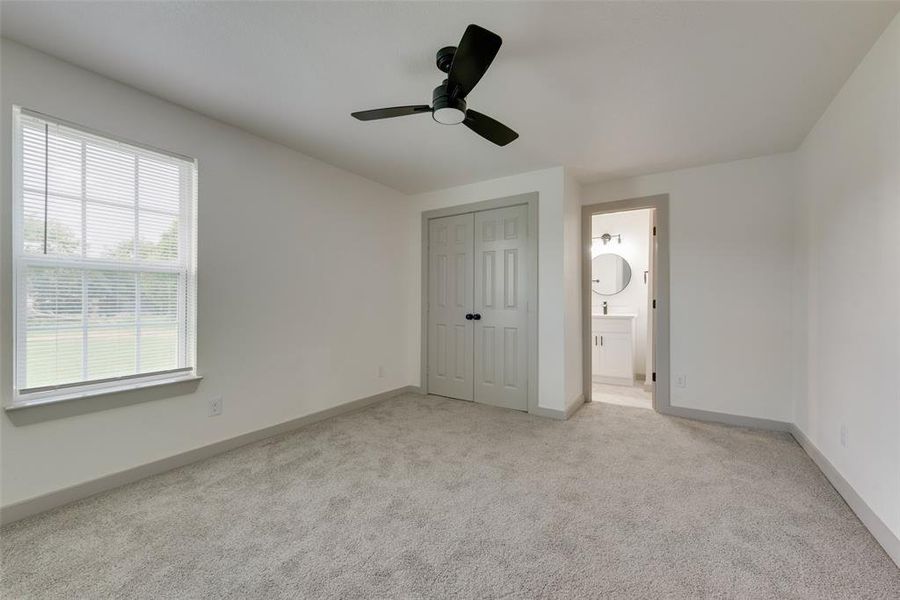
x: 464, y: 65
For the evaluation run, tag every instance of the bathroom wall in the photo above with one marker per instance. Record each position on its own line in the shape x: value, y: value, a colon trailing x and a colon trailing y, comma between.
x: 634, y: 226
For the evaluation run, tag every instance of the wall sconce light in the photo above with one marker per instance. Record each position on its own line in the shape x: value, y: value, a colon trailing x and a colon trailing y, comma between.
x: 607, y: 238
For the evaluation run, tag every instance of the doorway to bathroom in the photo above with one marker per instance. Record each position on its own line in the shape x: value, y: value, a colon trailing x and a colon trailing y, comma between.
x: 625, y: 298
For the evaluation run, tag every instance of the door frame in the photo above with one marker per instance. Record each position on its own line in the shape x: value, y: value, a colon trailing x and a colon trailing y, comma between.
x: 529, y: 199
x: 660, y: 333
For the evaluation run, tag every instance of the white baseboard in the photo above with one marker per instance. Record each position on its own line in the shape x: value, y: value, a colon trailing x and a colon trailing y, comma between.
x: 888, y: 540
x: 573, y: 406
x: 553, y: 413
x: 38, y: 504
x: 724, y: 418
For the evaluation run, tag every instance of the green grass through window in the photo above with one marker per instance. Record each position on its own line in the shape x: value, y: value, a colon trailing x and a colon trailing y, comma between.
x: 56, y: 356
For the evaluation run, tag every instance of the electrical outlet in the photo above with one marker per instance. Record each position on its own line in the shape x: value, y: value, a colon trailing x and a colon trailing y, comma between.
x: 215, y: 406
x: 843, y: 435
x: 380, y: 371
x: 681, y: 380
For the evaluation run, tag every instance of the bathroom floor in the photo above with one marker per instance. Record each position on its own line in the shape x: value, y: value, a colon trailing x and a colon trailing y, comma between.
x: 634, y: 396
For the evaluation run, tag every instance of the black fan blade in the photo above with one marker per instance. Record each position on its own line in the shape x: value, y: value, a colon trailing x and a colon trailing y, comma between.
x: 387, y: 113
x: 474, y: 55
x: 488, y: 128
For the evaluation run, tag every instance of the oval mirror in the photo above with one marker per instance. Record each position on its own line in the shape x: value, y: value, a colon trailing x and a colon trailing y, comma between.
x: 610, y: 274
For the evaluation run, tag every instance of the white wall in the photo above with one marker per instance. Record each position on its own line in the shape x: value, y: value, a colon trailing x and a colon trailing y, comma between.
x: 303, y: 276
x: 731, y: 256
x: 554, y: 220
x: 634, y: 227
x: 848, y: 274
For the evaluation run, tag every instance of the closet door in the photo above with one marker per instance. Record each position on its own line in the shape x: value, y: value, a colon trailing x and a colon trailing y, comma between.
x: 450, y: 341
x: 501, y: 344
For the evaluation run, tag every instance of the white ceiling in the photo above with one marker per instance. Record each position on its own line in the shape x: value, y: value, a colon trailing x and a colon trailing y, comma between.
x: 609, y: 89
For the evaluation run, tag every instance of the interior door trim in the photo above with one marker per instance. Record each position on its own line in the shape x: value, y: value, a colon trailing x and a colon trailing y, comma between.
x: 660, y: 333
x: 531, y: 200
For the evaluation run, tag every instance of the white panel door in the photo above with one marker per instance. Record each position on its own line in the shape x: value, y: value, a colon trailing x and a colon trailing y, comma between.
x: 450, y: 334
x: 501, y: 344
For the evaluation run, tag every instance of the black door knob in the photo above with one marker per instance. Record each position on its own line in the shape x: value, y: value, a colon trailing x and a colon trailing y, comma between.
x: 469, y: 316
x: 477, y: 316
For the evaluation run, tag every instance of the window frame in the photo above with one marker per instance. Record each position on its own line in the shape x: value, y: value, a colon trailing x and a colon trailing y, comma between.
x: 187, y: 297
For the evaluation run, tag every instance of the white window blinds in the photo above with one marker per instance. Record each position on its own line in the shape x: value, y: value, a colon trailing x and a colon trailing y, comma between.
x: 104, y: 247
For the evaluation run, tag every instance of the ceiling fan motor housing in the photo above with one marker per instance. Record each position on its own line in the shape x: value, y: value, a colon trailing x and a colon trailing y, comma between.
x: 446, y: 109
x: 444, y: 58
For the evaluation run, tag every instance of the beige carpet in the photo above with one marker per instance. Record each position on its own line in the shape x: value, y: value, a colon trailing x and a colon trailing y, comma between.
x: 436, y: 498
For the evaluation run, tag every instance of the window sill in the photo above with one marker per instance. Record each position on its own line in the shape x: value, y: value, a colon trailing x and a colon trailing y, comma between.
x: 45, y: 400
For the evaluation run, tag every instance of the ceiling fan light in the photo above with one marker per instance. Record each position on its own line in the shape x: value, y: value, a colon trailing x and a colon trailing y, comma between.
x: 445, y: 108
x: 449, y: 115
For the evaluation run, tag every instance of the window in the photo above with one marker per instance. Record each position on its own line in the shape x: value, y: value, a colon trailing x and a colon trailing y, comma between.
x: 104, y: 251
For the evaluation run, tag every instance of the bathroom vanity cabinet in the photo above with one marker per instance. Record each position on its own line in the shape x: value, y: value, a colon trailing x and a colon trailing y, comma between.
x: 613, y: 349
